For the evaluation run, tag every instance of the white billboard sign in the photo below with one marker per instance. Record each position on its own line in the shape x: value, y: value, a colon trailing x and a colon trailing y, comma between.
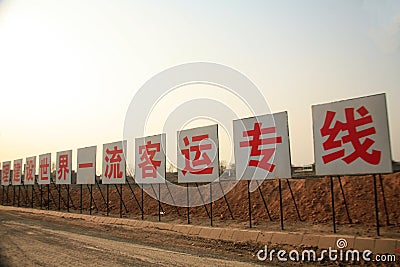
x: 64, y: 167
x: 5, y: 173
x: 44, y: 169
x: 150, y: 159
x: 352, y: 137
x: 17, y: 172
x: 262, y: 147
x: 198, y: 155
x: 114, y: 166
x: 86, y: 171
x: 30, y: 171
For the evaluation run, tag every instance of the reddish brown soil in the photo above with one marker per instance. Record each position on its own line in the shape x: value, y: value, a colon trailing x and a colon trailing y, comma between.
x: 312, y: 196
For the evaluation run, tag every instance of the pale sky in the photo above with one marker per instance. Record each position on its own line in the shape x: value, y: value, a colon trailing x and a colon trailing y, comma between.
x: 69, y: 69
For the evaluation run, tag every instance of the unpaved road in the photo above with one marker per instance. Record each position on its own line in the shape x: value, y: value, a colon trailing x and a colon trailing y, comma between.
x: 37, y: 240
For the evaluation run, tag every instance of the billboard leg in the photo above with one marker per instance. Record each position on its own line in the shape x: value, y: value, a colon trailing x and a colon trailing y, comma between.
x: 211, y: 205
x: 133, y: 193
x: 23, y: 195
x: 48, y: 196
x: 344, y: 199
x: 94, y: 204
x: 280, y: 202
x: 36, y: 197
x: 101, y: 192
x: 29, y: 196
x: 41, y: 197
x: 154, y: 191
x: 19, y: 195
x: 68, y: 198
x: 80, y: 203
x: 32, y: 197
x: 249, y: 200
x: 71, y: 201
x: 27, y: 199
x: 173, y: 200
x: 26, y: 196
x: 91, y: 199
x: 58, y: 189
x: 159, y: 203
x: 120, y: 202
x: 8, y: 195
x: 294, y: 200
x: 52, y: 197
x: 226, y: 201
x: 376, y: 207
x: 202, y: 199
x: 187, y: 203
x: 59, y: 197
x: 107, y: 199
x: 384, y: 199
x: 333, y: 205
x: 142, y: 203
x: 264, y: 201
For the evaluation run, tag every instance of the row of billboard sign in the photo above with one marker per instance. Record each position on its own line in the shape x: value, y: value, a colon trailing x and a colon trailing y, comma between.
x: 350, y: 137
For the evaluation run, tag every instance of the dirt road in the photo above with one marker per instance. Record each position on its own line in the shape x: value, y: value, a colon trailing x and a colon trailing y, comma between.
x: 37, y: 240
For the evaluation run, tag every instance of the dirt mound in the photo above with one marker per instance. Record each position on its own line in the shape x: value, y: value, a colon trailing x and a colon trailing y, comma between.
x: 312, y: 196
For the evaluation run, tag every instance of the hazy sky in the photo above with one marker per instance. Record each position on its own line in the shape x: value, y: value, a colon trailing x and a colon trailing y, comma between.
x: 69, y: 69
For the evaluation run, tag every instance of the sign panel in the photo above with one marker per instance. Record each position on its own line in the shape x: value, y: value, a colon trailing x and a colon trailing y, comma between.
x: 352, y: 137
x: 64, y: 167
x: 150, y: 159
x: 17, y: 174
x: 30, y: 171
x: 44, y: 169
x: 262, y: 147
x: 86, y: 171
x: 114, y: 170
x: 5, y: 173
x: 198, y: 155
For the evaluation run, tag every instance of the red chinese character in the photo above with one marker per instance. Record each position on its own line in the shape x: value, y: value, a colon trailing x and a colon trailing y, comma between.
x: 113, y: 163
x: 353, y: 136
x: 147, y: 164
x: 256, y: 142
x: 197, y: 161
x: 85, y: 165
x: 44, y: 167
x: 63, y: 167
x: 29, y: 170
x: 17, y: 171
x: 6, y: 173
